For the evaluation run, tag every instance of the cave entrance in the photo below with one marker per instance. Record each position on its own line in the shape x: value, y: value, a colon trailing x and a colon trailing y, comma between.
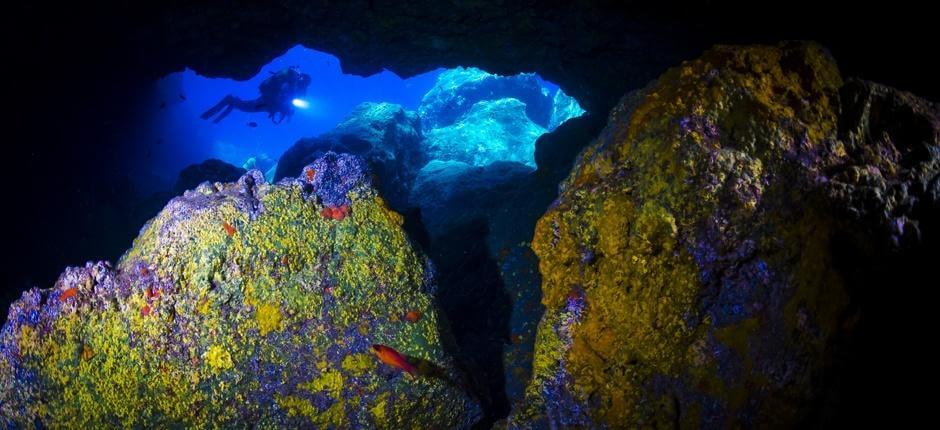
x: 453, y: 150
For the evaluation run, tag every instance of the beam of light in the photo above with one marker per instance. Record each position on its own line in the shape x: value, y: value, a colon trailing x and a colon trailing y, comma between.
x: 300, y: 103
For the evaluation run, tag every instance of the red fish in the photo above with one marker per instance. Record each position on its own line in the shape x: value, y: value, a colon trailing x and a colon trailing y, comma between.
x: 71, y: 292
x: 144, y: 311
x: 337, y: 213
x: 229, y: 229
x: 391, y: 357
x: 310, y: 174
x: 413, y: 316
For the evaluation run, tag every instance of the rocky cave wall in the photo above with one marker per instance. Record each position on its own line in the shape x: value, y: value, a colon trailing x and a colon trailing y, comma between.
x: 594, y: 52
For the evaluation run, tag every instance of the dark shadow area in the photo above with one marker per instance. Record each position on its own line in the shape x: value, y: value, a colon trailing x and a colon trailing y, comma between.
x: 473, y: 299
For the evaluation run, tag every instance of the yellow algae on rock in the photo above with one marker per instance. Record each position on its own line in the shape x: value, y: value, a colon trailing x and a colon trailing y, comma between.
x: 268, y: 326
x: 676, y: 233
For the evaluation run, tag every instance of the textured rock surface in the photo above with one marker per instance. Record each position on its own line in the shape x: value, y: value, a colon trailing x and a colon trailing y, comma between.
x: 241, y: 305
x: 384, y: 134
x: 458, y: 90
x: 695, y: 268
x: 211, y: 170
x: 490, y: 131
x: 564, y: 107
x: 452, y: 192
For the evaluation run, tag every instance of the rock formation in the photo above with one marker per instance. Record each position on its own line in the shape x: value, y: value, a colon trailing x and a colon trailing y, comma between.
x: 694, y: 265
x: 242, y: 304
x: 489, y: 131
x: 384, y: 134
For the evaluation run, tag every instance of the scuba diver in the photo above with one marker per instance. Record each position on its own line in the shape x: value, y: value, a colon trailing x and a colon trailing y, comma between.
x: 278, y: 93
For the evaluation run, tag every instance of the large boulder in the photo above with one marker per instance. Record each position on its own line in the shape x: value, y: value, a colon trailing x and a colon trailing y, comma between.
x: 458, y: 90
x: 564, y: 107
x: 700, y: 261
x: 211, y: 170
x: 490, y: 131
x: 242, y: 304
x: 384, y: 134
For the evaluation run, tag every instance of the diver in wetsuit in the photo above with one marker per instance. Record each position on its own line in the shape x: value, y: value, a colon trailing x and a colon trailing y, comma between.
x: 277, y: 94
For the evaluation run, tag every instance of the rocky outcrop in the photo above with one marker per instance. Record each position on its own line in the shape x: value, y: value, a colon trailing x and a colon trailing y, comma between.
x: 458, y: 90
x: 387, y: 136
x: 212, y: 170
x: 702, y: 263
x: 489, y: 131
x: 564, y: 107
x: 241, y: 304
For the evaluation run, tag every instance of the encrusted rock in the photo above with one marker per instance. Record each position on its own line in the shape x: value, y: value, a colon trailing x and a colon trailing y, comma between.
x: 241, y: 304
x: 690, y: 273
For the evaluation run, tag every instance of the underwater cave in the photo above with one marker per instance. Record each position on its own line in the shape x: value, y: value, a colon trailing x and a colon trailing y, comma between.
x: 468, y: 215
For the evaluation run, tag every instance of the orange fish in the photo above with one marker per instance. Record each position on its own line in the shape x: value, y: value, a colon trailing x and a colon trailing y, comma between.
x: 310, y: 174
x: 144, y: 311
x: 71, y: 292
x: 337, y: 213
x: 228, y: 228
x: 413, y: 316
x: 389, y: 356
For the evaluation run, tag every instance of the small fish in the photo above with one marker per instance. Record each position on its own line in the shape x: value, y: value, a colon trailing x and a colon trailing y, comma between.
x: 229, y: 229
x: 284, y: 261
x: 391, y: 357
x: 252, y: 124
x: 163, y: 105
x: 310, y: 174
x: 144, y: 311
x: 413, y: 316
x: 182, y: 97
x: 71, y: 292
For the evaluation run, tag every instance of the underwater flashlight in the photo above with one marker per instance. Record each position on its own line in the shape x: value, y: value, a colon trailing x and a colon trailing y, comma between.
x: 300, y: 103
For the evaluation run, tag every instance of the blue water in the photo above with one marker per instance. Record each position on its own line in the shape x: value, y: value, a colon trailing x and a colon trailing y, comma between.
x: 172, y: 136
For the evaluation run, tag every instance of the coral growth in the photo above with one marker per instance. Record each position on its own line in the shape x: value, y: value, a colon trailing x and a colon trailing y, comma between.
x: 239, y: 305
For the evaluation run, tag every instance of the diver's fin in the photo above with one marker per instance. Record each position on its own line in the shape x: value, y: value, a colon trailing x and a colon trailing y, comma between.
x: 214, y: 109
x: 228, y: 110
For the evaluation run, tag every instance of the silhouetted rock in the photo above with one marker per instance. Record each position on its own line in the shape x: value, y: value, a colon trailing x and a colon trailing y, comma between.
x: 384, y: 134
x: 212, y: 170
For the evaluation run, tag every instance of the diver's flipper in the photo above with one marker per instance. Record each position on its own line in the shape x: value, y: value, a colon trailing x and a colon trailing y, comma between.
x: 215, y: 109
x: 228, y: 110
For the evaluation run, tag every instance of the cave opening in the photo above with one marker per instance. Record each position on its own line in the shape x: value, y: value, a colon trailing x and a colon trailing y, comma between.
x: 471, y: 159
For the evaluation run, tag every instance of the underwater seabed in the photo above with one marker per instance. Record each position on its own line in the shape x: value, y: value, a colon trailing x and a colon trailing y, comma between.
x: 694, y: 265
